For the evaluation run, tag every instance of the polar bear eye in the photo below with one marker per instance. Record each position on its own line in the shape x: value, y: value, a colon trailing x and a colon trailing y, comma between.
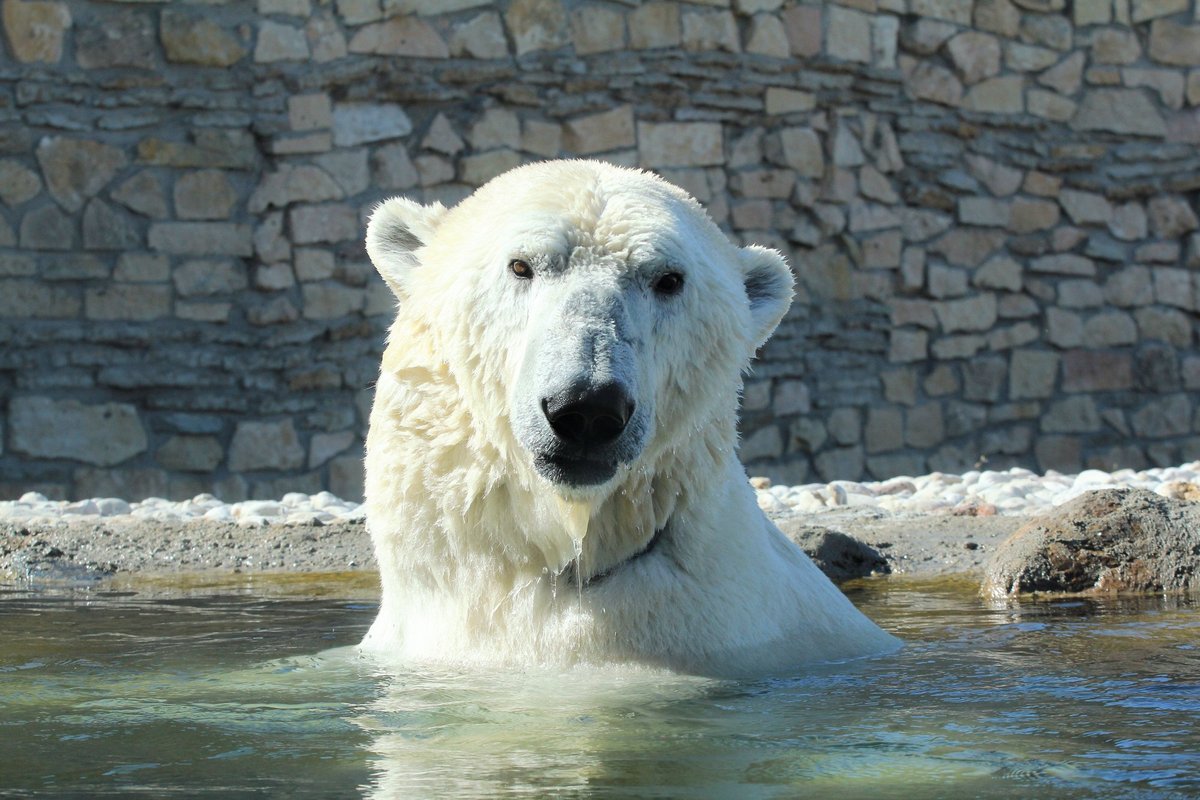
x: 668, y: 283
x: 520, y: 268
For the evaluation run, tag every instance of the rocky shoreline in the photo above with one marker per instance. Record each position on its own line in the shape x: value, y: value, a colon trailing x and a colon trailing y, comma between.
x: 927, y: 526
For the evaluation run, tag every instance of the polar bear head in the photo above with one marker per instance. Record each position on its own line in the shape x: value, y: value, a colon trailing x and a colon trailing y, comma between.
x: 593, y: 316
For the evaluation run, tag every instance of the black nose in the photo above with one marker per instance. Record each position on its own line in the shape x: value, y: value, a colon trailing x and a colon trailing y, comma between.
x: 589, y: 416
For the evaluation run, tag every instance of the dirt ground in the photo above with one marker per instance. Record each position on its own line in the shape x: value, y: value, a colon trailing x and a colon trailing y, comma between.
x: 122, y: 549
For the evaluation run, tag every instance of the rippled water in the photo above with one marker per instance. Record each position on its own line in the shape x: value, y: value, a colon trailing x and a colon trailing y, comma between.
x: 247, y: 690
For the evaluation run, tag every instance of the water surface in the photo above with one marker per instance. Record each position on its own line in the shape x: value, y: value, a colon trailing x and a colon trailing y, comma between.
x: 254, y: 689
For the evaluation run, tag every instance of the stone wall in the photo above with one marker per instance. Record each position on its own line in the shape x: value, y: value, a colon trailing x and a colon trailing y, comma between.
x: 991, y: 206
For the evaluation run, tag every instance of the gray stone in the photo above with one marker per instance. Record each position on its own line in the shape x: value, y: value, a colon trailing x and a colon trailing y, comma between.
x: 1163, y: 418
x: 884, y: 431
x: 392, y: 167
x: 323, y: 223
x: 983, y: 379
x: 361, y: 123
x: 1071, y: 415
x: 265, y: 446
x: 48, y: 228
x: 76, y: 169
x: 100, y: 434
x: 1032, y: 374
x: 599, y: 133
x: 791, y: 397
x: 105, y: 228
x: 129, y: 302
x: 17, y: 183
x: 1164, y: 324
x: 1067, y: 76
x: 205, y: 277
x: 324, y: 301
x: 976, y: 313
x: 943, y: 380
x: 706, y: 31
x: 1064, y: 264
x: 849, y: 34
x: 190, y: 453
x: 926, y: 427
x: 999, y: 272
x: 841, y: 463
x: 765, y: 442
x: 657, y: 24
x: 201, y: 238
x: 928, y: 81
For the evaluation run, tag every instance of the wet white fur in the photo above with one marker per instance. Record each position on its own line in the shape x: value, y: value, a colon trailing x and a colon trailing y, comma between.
x: 471, y: 540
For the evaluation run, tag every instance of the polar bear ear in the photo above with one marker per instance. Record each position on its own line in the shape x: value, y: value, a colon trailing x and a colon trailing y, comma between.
x: 768, y: 287
x: 398, y: 229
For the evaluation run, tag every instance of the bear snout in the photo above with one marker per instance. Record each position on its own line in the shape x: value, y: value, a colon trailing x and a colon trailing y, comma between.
x: 588, y: 417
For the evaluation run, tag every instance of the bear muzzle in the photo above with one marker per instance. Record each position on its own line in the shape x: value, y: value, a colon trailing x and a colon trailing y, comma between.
x: 588, y: 422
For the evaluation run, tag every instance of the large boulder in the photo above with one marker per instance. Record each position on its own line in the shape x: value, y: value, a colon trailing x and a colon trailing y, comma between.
x: 1114, y: 540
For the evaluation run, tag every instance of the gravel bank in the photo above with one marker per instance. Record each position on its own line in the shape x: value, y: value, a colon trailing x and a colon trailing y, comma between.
x: 922, y: 526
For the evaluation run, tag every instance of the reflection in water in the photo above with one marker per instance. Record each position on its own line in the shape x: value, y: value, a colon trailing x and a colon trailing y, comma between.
x: 222, y: 694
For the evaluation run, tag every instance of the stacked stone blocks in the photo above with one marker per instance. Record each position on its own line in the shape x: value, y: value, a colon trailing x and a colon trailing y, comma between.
x: 991, y: 207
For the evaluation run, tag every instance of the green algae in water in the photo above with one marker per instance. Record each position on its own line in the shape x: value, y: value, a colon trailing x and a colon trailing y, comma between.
x: 256, y: 690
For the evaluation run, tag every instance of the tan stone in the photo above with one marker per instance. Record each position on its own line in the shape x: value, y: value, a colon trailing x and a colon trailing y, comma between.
x: 1119, y: 111
x: 17, y: 183
x: 325, y: 38
x: 1050, y: 105
x: 1032, y: 374
x: 1144, y: 10
x: 1041, y: 184
x: 768, y: 37
x: 976, y: 55
x: 1028, y: 58
x: 477, y: 170
x: 541, y: 138
x: 1029, y: 215
x: 76, y: 169
x: 191, y: 39
x: 598, y: 133
x: 265, y: 446
x: 1000, y: 180
x: 1115, y: 46
x: 999, y: 272
x: 308, y: 112
x: 1051, y: 30
x: 781, y: 100
x: 956, y: 11
x: 280, y: 42
x: 998, y: 16
x: 655, y: 25
x: 984, y: 211
x: 595, y: 29
x: 934, y: 83
x: 848, y: 36
x: 802, y: 151
x: 1193, y: 87
x: 803, y: 26
x: 103, y: 434
x: 1085, y: 208
x: 1128, y: 222
x: 1092, y: 12
x: 400, y: 36
x: 1175, y: 44
x: 482, y: 37
x: 680, y: 144
x: 710, y: 30
x: 1067, y: 76
x: 35, y: 29
x: 1171, y: 217
x: 497, y: 127
x: 997, y: 96
x: 537, y: 25
x: 206, y: 194
x: 331, y: 300
x: 128, y: 301
x: 330, y: 222
x: 1167, y: 82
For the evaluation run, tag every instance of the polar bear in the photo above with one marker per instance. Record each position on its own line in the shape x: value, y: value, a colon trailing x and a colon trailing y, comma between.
x: 551, y: 468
